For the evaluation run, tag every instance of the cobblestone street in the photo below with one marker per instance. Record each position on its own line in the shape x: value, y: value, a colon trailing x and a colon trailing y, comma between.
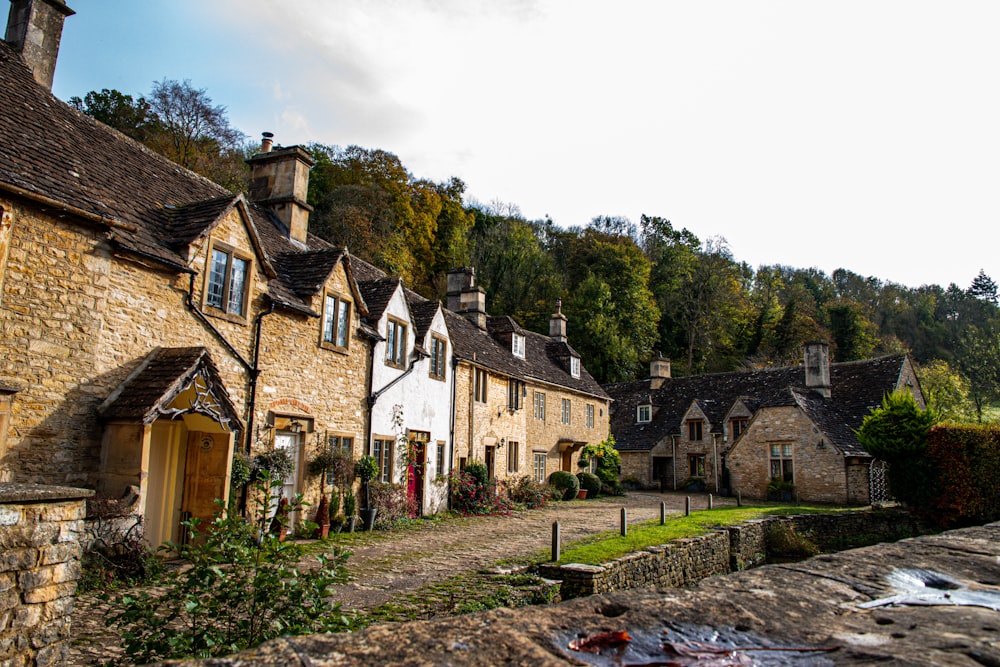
x: 388, y: 566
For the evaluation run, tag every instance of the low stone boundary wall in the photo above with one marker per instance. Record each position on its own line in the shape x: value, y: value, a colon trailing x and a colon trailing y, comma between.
x: 40, y: 530
x: 730, y: 549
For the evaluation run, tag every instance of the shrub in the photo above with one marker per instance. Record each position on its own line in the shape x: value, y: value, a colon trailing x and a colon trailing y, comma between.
x: 350, y: 503
x: 391, y: 504
x: 115, y: 553
x: 479, y: 471
x: 967, y: 459
x: 272, y: 464
x: 526, y: 491
x: 783, y: 541
x: 242, y: 587
x: 566, y: 482
x: 590, y: 482
x: 896, y: 432
x: 606, y: 457
x: 470, y: 496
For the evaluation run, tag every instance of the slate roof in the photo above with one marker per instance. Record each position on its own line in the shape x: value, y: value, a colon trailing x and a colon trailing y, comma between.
x: 855, y: 388
x: 423, y: 312
x: 160, y: 377
x: 151, y: 206
x: 377, y: 294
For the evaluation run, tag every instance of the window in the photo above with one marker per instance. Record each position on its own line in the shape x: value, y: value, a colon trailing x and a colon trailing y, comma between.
x: 227, y: 281
x: 517, y: 345
x: 442, y: 468
x: 644, y: 414
x: 696, y: 465
x: 590, y: 416
x: 336, y: 321
x: 395, y: 343
x: 480, y: 385
x: 513, y: 456
x: 438, y: 347
x: 540, y: 405
x: 337, y: 443
x: 781, y: 462
x: 567, y: 411
x: 515, y: 391
x: 738, y: 425
x: 382, y: 451
x: 694, y: 429
x: 539, y: 471
x: 574, y: 366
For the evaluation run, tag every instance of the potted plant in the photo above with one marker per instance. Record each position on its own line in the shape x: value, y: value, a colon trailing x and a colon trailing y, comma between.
x: 350, y: 514
x: 323, y: 517
x: 279, y: 523
x: 366, y: 468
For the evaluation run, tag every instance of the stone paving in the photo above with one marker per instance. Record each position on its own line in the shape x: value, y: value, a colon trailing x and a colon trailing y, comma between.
x: 387, y: 567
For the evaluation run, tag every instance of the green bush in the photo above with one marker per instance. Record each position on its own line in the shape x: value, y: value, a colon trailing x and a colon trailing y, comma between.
x: 479, y: 472
x: 526, y: 491
x: 967, y: 459
x: 566, y: 482
x: 608, y: 462
x: 783, y: 541
x: 897, y: 433
x: 242, y: 586
x: 589, y: 482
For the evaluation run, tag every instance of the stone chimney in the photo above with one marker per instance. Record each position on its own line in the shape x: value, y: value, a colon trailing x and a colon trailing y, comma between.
x: 34, y: 28
x: 279, y: 180
x: 817, y: 365
x: 557, y: 324
x: 465, y: 297
x: 659, y: 371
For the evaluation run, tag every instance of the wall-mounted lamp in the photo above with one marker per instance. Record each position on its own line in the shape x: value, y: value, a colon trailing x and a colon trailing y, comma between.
x: 295, y: 426
x: 503, y: 441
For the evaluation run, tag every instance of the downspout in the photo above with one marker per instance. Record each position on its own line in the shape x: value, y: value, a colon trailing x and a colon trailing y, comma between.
x: 374, y: 396
x: 715, y: 460
x: 189, y: 301
x: 673, y: 461
x: 451, y: 433
x: 255, y: 372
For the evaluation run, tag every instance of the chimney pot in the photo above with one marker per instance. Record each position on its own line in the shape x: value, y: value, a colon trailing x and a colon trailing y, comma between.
x: 266, y: 142
x: 817, y: 367
x: 557, y: 324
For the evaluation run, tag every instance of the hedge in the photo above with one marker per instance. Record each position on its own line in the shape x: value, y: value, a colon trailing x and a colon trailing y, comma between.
x: 967, y: 462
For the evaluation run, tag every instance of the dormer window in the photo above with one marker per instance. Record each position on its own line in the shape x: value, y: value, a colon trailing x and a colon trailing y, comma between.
x: 644, y: 414
x: 517, y: 345
x: 574, y: 366
x: 395, y: 343
x: 228, y: 281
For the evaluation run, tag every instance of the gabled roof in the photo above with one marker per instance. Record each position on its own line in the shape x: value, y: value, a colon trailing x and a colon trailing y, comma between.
x: 146, y: 394
x: 378, y: 293
x: 856, y: 387
x: 423, y: 312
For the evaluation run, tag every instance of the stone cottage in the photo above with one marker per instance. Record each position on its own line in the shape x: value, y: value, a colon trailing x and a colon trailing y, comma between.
x: 524, y: 403
x: 738, y: 431
x: 152, y: 322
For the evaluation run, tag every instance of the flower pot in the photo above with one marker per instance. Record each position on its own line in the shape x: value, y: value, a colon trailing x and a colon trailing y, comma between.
x: 581, y: 494
x: 322, y: 531
x: 368, y: 517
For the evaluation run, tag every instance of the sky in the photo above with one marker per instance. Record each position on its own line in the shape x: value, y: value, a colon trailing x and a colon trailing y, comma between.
x: 862, y: 135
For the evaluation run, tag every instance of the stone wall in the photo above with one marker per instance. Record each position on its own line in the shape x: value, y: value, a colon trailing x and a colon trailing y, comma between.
x: 40, y: 530
x: 730, y: 549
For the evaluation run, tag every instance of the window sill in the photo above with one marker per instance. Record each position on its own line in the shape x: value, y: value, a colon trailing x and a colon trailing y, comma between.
x: 439, y: 378
x: 214, y: 312
x: 393, y: 364
x: 335, y: 348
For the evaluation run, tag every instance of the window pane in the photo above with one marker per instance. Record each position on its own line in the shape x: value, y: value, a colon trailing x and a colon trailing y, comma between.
x: 237, y: 284
x: 786, y: 451
x: 328, y: 319
x: 343, y: 322
x: 775, y: 451
x: 390, y: 340
x: 775, y: 469
x: 787, y: 469
x: 217, y: 278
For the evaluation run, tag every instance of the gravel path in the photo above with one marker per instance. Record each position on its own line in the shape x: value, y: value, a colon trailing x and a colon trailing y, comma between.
x: 388, y: 566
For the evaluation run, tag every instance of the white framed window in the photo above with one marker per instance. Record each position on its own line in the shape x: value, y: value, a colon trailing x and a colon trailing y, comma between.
x: 539, y: 403
x: 539, y: 467
x: 382, y: 450
x: 395, y: 342
x: 567, y: 411
x: 574, y: 366
x: 517, y: 345
x: 590, y: 416
x: 336, y: 321
x: 228, y: 281
x: 644, y: 414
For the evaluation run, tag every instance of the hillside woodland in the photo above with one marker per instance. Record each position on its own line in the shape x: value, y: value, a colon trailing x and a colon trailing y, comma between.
x: 630, y: 290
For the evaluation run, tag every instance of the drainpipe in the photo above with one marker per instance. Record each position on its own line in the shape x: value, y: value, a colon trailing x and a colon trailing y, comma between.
x: 255, y: 373
x: 373, y: 396
x: 189, y: 301
x: 673, y: 461
x: 454, y: 396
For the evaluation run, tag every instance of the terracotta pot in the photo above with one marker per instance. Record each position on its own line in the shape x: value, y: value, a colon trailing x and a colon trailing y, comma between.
x: 581, y: 494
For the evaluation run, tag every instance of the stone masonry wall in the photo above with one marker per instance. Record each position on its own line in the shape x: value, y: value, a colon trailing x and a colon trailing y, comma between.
x: 40, y: 529
x: 686, y: 561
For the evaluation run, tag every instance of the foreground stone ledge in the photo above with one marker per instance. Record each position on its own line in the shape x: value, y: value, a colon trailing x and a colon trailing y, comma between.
x: 809, y: 603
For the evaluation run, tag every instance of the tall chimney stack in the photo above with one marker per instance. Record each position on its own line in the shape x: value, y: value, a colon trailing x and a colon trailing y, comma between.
x: 557, y: 324
x: 279, y: 180
x: 817, y: 367
x: 465, y: 297
x: 659, y: 371
x: 34, y: 28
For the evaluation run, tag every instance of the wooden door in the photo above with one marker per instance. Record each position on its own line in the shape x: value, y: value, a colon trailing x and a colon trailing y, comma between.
x: 415, y: 477
x: 205, y: 475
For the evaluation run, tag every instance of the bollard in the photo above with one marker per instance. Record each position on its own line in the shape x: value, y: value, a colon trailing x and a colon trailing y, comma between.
x: 687, y: 505
x: 624, y: 522
x: 663, y: 513
x: 710, y: 501
x: 739, y: 499
x: 555, y: 541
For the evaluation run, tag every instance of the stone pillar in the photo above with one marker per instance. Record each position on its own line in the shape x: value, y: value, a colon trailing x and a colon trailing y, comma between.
x: 40, y: 547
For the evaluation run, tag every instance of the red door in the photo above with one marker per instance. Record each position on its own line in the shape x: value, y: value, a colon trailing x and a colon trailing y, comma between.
x: 415, y: 477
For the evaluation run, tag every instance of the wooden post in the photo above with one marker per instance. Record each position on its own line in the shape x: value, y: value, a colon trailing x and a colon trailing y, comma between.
x: 710, y: 501
x: 663, y: 513
x: 555, y: 541
x: 739, y: 499
x: 687, y: 505
x: 624, y: 522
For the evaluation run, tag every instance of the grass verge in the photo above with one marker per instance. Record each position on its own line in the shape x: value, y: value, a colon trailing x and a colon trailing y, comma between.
x: 608, y: 546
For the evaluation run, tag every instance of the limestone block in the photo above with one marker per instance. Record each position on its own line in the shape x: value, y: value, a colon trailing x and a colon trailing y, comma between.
x: 60, y: 553
x: 49, y: 593
x: 24, y: 558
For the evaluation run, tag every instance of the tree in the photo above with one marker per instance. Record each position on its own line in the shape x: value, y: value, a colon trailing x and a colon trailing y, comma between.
x: 983, y: 288
x: 132, y: 117
x: 945, y: 391
x: 979, y: 361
